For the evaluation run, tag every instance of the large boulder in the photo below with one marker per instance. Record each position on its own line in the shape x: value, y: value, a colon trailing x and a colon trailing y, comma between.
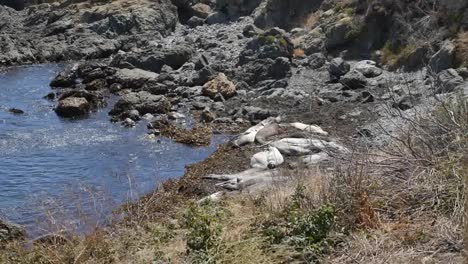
x: 219, y: 85
x: 73, y: 107
x: 142, y: 101
x: 9, y: 232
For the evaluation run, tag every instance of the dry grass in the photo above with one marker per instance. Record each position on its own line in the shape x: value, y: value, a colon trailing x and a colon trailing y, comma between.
x: 298, y: 53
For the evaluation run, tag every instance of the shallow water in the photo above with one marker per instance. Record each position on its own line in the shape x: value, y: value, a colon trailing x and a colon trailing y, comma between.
x: 54, y: 169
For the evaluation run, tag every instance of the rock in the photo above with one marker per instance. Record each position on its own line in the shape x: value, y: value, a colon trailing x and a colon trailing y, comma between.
x: 338, y: 67
x: 253, y: 113
x: 9, y: 232
x: 448, y: 80
x: 463, y: 72
x: 16, y: 111
x: 132, y: 78
x: 65, y: 78
x: 339, y: 33
x: 235, y: 8
x: 49, y: 96
x: 175, y: 116
x: 128, y: 123
x: 195, y: 21
x: 219, y: 85
x: 216, y: 18
x: 353, y: 80
x: 15, y: 4
x: 73, y: 107
x: 368, y: 68
x: 317, y: 60
x: 207, y: 116
x: 251, y: 31
x: 313, y: 42
x: 153, y: 59
x: 406, y: 102
x: 142, y: 101
x: 444, y: 58
x: 264, y: 69
x: 267, y: 159
x: 201, y: 10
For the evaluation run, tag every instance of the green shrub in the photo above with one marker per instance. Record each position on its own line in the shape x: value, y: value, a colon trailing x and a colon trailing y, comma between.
x: 204, y: 226
x: 304, y: 229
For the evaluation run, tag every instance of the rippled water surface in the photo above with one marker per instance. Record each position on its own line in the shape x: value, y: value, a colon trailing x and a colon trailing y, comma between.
x: 79, y: 168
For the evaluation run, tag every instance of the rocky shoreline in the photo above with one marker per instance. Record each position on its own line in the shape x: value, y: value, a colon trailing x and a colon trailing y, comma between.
x: 232, y: 67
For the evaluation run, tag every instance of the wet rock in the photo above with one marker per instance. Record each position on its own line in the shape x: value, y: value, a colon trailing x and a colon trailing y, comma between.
x: 49, y: 96
x: 219, y: 85
x: 65, y: 78
x: 10, y: 231
x: 444, y: 58
x: 338, y: 67
x: 128, y: 122
x: 142, y: 101
x: 448, y: 80
x: 73, y: 107
x: 368, y: 68
x: 353, y: 80
x: 16, y: 111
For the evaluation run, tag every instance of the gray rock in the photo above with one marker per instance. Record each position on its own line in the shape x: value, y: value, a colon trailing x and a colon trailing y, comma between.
x: 353, y: 80
x: 447, y: 81
x: 195, y: 21
x: 216, y: 18
x: 368, y: 68
x: 338, y: 67
x: 128, y: 123
x: 142, y: 101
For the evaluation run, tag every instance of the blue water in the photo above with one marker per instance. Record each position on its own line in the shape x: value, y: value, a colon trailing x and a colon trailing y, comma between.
x: 55, y: 171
